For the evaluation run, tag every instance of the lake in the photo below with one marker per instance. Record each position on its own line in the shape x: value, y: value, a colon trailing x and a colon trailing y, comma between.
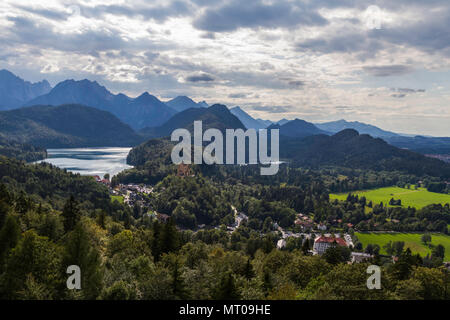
x: 90, y: 161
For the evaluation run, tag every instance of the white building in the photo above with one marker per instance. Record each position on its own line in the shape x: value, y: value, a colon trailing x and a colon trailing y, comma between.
x: 281, y: 244
x: 323, y: 243
x: 358, y: 257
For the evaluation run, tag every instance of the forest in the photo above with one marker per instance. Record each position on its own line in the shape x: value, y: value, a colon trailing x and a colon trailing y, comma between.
x: 50, y: 219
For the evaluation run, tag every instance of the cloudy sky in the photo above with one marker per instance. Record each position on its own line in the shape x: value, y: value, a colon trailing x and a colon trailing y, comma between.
x: 382, y: 62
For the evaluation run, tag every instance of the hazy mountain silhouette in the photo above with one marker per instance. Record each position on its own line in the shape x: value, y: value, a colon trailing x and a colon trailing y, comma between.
x: 14, y: 91
x: 143, y: 111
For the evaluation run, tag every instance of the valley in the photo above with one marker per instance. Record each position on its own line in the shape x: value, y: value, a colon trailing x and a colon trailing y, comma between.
x: 100, y: 173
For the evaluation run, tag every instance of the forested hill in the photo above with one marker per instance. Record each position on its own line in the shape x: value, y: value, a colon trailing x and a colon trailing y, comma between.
x: 44, y: 182
x: 297, y: 129
x: 66, y: 126
x: 350, y: 149
x: 217, y: 116
x: 21, y: 151
x: 345, y: 149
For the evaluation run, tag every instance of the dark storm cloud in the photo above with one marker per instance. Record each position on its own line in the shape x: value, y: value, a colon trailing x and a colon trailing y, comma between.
x: 200, y: 78
x: 388, y: 70
x: 233, y: 15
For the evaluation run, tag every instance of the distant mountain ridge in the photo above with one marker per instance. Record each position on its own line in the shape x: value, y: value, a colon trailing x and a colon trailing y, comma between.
x: 66, y: 126
x: 14, y: 91
x: 424, y: 145
x: 182, y: 103
x: 350, y: 149
x: 217, y: 116
x: 247, y: 120
x: 143, y: 111
x: 298, y: 129
x: 362, y: 128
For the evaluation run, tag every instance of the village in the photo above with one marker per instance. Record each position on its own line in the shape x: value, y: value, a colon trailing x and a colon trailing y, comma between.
x: 305, y: 227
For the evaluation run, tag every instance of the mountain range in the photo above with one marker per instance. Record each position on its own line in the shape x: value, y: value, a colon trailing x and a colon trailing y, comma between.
x: 300, y: 128
x: 143, y: 111
x: 150, y: 115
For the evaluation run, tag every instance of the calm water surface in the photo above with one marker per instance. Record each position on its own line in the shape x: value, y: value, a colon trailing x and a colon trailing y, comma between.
x: 90, y: 161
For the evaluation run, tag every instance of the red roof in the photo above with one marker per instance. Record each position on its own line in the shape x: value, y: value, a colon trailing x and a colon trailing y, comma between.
x: 339, y: 241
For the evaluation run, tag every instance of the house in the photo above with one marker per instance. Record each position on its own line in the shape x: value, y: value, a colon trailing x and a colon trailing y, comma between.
x: 358, y: 257
x: 323, y: 243
x: 281, y: 244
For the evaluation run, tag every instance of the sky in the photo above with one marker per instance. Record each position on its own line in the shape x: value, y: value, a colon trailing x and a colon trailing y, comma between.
x: 383, y: 62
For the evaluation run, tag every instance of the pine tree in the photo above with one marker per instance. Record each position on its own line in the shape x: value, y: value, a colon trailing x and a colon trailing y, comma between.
x: 249, y: 273
x: 155, y: 245
x: 178, y: 287
x: 170, y: 239
x: 267, y: 282
x: 226, y: 290
x: 102, y: 219
x: 71, y: 214
x: 4, y: 209
x: 305, y: 247
x: 78, y: 251
x: 9, y: 237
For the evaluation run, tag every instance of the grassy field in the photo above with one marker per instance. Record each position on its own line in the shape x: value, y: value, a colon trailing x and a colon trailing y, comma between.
x: 118, y: 198
x: 410, y: 197
x: 412, y: 241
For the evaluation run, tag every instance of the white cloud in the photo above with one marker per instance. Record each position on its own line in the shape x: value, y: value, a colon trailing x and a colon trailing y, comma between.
x: 279, y: 66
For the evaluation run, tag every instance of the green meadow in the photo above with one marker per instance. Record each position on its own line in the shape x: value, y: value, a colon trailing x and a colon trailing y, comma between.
x: 118, y: 198
x: 412, y: 241
x: 410, y: 198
